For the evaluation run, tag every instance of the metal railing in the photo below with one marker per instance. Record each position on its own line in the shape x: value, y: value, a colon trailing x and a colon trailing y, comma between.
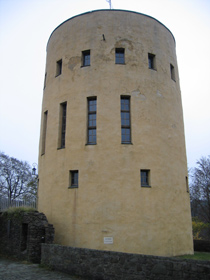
x: 5, y: 204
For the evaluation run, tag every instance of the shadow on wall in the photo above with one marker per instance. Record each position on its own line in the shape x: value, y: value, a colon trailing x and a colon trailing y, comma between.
x: 22, y: 233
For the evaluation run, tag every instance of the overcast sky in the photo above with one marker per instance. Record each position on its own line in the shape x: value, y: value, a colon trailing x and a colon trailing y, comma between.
x: 25, y: 27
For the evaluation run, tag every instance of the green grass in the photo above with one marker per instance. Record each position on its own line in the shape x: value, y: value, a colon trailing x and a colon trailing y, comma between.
x: 16, y: 212
x: 20, y: 209
x: 201, y: 256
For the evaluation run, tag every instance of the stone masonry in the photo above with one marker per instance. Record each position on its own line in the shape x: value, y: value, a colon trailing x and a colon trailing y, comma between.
x: 107, y: 265
x: 22, y: 234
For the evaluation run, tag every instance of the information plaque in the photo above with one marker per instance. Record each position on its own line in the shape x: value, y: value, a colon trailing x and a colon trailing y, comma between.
x: 108, y: 240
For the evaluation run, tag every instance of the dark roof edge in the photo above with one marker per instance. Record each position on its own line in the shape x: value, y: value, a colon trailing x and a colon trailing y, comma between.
x: 111, y: 10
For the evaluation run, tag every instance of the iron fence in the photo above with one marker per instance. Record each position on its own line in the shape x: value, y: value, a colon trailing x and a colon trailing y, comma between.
x: 5, y: 204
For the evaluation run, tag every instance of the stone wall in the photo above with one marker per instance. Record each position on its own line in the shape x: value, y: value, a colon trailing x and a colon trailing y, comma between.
x: 107, y: 265
x: 22, y: 233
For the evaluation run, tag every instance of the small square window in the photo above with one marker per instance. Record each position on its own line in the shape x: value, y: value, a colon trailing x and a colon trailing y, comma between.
x: 145, y: 178
x: 151, y: 61
x: 120, y: 56
x: 86, y: 58
x: 172, y: 72
x: 58, y: 67
x: 74, y: 178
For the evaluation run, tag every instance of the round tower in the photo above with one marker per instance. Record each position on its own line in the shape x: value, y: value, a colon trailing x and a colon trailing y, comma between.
x: 112, y: 158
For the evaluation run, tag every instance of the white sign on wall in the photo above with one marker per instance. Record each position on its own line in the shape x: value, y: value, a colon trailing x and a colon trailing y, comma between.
x: 108, y: 240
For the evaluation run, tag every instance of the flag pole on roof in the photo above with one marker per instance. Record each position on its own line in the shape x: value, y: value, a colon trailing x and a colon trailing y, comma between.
x: 110, y: 3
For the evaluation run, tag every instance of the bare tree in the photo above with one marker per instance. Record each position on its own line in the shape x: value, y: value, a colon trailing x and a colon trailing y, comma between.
x: 16, y: 180
x: 200, y: 189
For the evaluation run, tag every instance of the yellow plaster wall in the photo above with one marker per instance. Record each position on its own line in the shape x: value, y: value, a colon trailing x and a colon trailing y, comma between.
x: 110, y: 201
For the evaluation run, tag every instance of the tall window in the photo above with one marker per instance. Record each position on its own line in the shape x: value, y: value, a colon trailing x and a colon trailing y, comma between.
x: 172, y: 72
x: 74, y: 178
x: 92, y: 107
x: 120, y: 56
x: 86, y: 58
x: 151, y: 61
x: 63, y: 107
x: 44, y: 132
x: 125, y: 120
x: 59, y: 67
x: 145, y: 178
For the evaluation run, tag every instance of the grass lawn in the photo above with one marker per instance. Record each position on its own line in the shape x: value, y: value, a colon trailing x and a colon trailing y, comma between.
x: 202, y: 256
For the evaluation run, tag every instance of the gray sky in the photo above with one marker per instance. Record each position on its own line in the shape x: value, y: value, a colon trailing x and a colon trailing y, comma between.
x: 25, y: 27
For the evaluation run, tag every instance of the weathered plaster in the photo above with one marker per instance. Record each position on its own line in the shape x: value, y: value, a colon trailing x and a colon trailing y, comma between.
x: 110, y: 201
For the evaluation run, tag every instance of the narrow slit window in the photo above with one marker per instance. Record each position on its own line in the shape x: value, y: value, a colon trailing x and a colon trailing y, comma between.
x: 125, y: 120
x: 145, y: 178
x: 120, y: 56
x: 74, y: 178
x: 62, y: 134
x: 151, y: 61
x: 45, y: 80
x: 92, y: 109
x: 58, y: 67
x: 187, y: 184
x: 24, y: 237
x: 86, y: 58
x: 172, y: 72
x: 44, y: 132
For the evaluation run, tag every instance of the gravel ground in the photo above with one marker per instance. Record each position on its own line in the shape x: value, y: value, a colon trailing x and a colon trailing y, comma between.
x: 16, y: 270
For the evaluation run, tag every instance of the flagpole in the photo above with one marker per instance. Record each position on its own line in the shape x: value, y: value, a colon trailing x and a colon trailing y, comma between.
x: 110, y: 3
